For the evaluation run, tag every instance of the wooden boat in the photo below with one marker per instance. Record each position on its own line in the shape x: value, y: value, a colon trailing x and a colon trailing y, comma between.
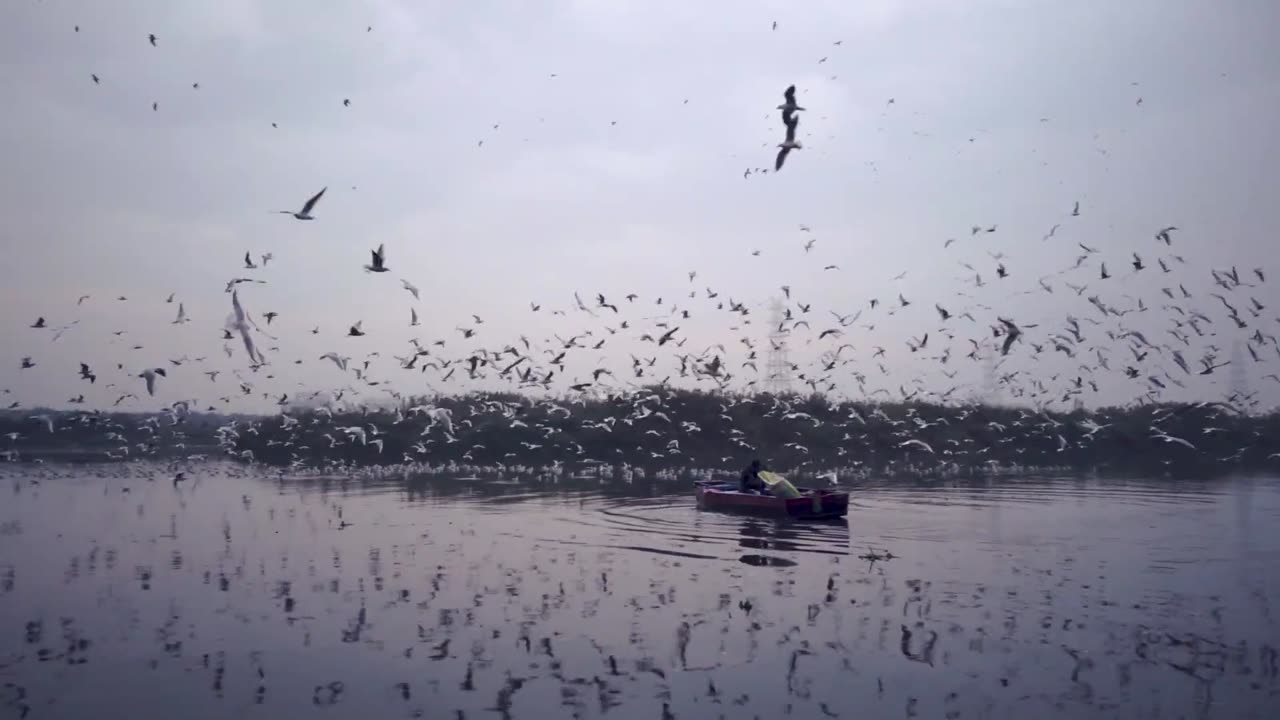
x: 811, y: 505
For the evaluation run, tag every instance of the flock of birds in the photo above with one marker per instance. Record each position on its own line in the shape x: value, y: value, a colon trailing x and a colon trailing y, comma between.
x: 1123, y: 342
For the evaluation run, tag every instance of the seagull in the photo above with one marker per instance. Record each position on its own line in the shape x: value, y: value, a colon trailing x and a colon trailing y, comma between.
x: 248, y: 261
x: 413, y: 317
x: 341, y: 362
x: 918, y: 443
x: 1163, y: 234
x: 355, y: 330
x: 152, y: 39
x: 790, y: 143
x: 411, y: 288
x: 240, y: 322
x: 1171, y: 439
x: 150, y: 376
x: 379, y: 257
x: 306, y: 209
x: 182, y: 315
x: 1011, y: 333
x: 790, y: 105
x: 38, y: 324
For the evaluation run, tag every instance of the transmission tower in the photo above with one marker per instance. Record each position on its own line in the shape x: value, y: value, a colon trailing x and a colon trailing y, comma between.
x: 778, y: 368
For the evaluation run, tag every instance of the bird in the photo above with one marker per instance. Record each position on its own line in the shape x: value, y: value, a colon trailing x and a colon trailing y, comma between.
x: 355, y: 330
x: 182, y: 315
x: 240, y: 323
x: 150, y: 375
x: 413, y: 290
x: 789, y: 144
x: 1011, y: 333
x: 305, y: 214
x: 918, y: 443
x: 152, y: 39
x: 789, y: 106
x: 379, y: 257
x: 38, y: 324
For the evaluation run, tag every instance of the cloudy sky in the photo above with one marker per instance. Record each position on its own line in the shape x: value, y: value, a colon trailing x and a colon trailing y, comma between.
x: 512, y: 152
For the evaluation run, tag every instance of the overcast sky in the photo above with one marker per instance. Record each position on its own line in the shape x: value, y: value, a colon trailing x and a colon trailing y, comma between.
x: 509, y: 152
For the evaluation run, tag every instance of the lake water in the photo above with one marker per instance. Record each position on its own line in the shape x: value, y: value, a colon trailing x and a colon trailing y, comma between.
x: 241, y: 594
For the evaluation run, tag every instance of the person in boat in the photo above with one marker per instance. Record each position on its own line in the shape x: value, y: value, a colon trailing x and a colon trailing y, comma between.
x: 750, y: 480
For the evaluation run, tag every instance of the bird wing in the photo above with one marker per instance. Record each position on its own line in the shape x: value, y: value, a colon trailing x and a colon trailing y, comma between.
x: 782, y: 157
x: 306, y: 209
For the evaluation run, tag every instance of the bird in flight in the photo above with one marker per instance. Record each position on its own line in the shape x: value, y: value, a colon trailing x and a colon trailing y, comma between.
x: 150, y: 376
x: 379, y: 258
x: 790, y: 143
x: 305, y: 214
x: 789, y: 105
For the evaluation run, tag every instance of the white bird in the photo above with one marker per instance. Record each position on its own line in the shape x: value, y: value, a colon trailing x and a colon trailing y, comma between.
x: 239, y: 322
x: 919, y: 443
x: 150, y: 376
x: 1171, y: 439
x: 338, y: 360
x: 411, y: 288
x: 306, y: 209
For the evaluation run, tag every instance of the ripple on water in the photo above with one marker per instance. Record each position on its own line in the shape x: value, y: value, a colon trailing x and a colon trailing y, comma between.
x: 280, y: 597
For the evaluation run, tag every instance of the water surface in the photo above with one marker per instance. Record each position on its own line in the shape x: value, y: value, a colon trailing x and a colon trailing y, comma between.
x: 238, y: 592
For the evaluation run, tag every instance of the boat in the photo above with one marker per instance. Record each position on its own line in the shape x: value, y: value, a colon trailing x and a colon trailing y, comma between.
x: 809, y: 505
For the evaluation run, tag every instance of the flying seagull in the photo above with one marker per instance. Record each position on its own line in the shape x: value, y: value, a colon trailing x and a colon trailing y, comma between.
x: 306, y: 209
x: 150, y: 376
x: 790, y: 143
x: 1011, y: 333
x: 411, y: 288
x: 789, y: 106
x: 379, y: 257
x: 239, y: 321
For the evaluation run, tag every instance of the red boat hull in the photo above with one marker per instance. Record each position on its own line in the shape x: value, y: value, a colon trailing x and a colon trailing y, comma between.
x: 813, y: 505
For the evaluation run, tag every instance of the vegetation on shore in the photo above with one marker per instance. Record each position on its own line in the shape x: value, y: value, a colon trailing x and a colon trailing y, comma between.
x: 664, y: 427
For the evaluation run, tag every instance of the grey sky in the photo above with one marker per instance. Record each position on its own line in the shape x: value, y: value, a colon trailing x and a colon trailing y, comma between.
x: 106, y: 197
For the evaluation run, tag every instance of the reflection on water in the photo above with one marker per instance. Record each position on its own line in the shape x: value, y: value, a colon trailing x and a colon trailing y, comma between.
x: 237, y: 593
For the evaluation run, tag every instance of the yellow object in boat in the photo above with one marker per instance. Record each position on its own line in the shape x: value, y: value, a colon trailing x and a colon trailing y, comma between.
x: 778, y: 485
